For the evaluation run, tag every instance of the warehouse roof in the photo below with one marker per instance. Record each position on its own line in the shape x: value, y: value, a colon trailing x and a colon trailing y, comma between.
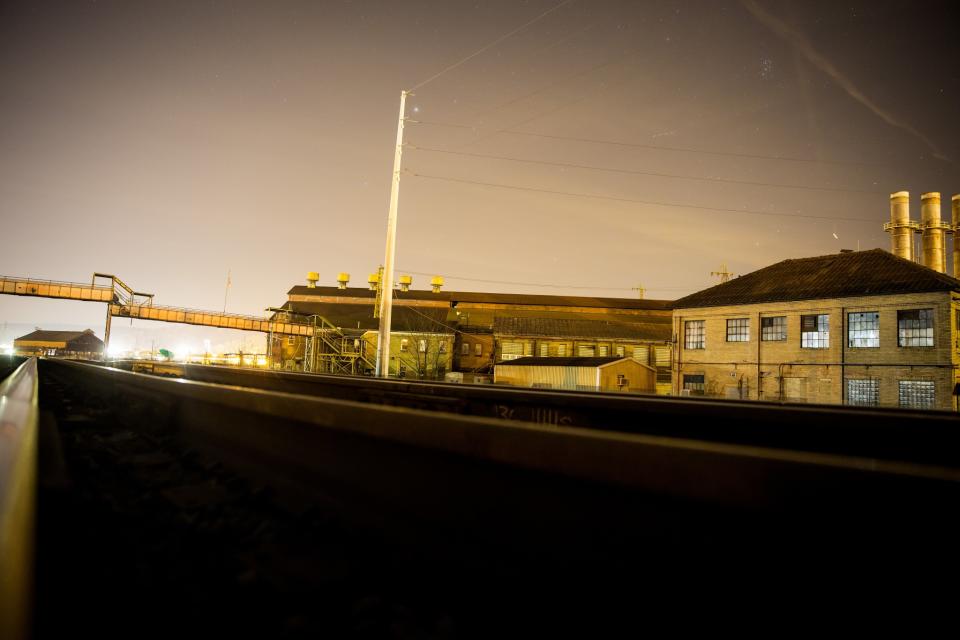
x: 534, y: 361
x: 576, y: 328
x: 844, y: 275
x: 41, y: 335
x: 454, y: 297
x: 360, y: 316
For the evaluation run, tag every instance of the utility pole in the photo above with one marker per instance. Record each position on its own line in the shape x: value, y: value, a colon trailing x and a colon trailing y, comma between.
x: 386, y: 282
x: 641, y: 291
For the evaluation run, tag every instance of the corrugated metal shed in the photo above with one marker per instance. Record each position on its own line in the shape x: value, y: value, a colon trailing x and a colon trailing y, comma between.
x: 844, y: 275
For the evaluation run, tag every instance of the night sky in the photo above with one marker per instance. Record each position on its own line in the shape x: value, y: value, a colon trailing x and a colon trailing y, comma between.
x: 171, y: 142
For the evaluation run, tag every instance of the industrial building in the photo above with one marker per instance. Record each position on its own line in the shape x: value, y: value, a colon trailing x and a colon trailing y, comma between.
x: 580, y: 374
x: 865, y: 328
x: 434, y: 332
x: 60, y: 344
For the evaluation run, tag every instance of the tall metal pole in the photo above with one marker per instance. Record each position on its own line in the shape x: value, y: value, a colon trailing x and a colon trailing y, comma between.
x: 386, y: 283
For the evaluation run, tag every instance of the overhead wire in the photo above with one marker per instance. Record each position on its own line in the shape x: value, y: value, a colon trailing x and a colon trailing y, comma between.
x: 543, y: 284
x: 490, y: 45
x: 640, y: 145
x: 638, y: 172
x: 756, y: 212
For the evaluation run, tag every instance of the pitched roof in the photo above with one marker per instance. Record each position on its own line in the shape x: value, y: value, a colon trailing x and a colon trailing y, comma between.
x: 360, y: 316
x: 41, y: 335
x: 534, y: 361
x: 454, y: 297
x: 576, y: 328
x: 843, y: 275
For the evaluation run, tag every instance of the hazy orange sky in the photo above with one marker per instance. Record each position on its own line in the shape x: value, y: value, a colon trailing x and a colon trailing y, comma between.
x: 171, y: 142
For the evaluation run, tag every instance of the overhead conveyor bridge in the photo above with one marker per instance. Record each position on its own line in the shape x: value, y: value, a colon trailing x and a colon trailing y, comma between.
x: 330, y: 349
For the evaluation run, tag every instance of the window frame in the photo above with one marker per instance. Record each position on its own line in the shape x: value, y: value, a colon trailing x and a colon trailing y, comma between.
x: 693, y: 329
x: 916, y: 333
x: 773, y: 324
x: 820, y: 337
x: 695, y: 388
x: 869, y: 337
x: 738, y: 329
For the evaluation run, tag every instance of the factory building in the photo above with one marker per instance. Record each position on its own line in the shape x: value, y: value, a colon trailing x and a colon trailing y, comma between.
x: 468, y: 332
x: 61, y: 344
x: 863, y: 328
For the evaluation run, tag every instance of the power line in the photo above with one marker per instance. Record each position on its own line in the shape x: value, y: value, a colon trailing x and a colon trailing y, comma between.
x: 546, y: 285
x: 492, y: 44
x: 638, y: 145
x: 755, y: 212
x: 641, y: 173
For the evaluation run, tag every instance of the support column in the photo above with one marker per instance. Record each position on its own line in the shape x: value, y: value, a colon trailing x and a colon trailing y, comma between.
x: 106, y: 334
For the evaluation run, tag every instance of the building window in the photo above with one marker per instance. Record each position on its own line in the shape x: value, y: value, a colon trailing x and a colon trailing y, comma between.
x: 738, y: 330
x: 478, y: 349
x: 773, y: 329
x: 603, y: 350
x: 443, y: 346
x: 917, y: 394
x: 915, y: 328
x: 620, y: 350
x: 562, y: 350
x: 815, y: 331
x: 290, y: 339
x: 863, y: 393
x: 465, y: 349
x: 403, y: 344
x: 423, y: 346
x: 693, y: 334
x: 401, y: 370
x: 693, y: 384
x: 544, y: 350
x: 863, y: 329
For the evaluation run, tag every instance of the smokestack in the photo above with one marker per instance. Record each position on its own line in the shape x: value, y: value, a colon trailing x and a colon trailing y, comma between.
x: 312, y: 278
x: 342, y: 280
x: 932, y: 229
x: 900, y: 226
x: 956, y: 228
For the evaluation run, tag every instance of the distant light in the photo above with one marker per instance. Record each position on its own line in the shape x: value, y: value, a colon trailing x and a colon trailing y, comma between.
x: 416, y: 109
x: 114, y: 350
x: 6, y: 348
x: 835, y: 236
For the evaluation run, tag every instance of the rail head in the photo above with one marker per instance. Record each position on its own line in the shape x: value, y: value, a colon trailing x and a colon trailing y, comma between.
x: 18, y: 461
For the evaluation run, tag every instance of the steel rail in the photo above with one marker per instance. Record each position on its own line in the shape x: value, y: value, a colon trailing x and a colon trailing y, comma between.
x: 18, y: 462
x: 929, y: 437
x: 684, y: 467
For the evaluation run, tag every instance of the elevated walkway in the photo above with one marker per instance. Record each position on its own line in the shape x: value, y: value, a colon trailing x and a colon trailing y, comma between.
x: 329, y: 349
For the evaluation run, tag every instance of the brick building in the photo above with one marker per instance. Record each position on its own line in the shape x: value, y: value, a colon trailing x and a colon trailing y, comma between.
x: 863, y: 328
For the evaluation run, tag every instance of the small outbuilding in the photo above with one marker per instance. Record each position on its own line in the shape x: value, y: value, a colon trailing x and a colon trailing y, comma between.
x: 61, y: 344
x: 582, y: 374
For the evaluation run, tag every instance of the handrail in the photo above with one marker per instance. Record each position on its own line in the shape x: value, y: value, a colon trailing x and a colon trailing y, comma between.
x: 18, y: 462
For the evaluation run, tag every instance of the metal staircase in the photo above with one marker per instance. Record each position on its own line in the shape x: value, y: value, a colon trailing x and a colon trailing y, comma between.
x: 329, y: 350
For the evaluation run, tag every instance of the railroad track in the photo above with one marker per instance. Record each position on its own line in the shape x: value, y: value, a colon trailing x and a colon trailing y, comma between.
x: 932, y: 437
x: 234, y: 510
